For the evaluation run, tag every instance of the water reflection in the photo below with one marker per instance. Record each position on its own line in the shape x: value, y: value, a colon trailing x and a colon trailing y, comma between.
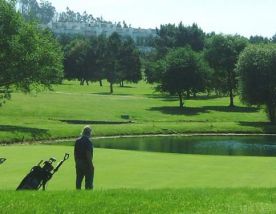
x: 211, y: 145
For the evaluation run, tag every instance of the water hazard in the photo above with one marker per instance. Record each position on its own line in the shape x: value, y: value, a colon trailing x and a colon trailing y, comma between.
x: 209, y: 145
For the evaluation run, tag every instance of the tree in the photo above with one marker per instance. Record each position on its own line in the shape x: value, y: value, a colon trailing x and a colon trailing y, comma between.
x: 256, y: 67
x: 190, y: 35
x: 46, y: 12
x: 29, y: 9
x: 76, y: 61
x: 222, y: 53
x: 129, y: 62
x: 112, y: 59
x: 171, y: 36
x: 29, y: 56
x: 154, y: 69
x: 258, y: 39
x: 183, y: 69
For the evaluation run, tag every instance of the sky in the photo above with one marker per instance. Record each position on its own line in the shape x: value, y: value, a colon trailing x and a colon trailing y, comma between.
x: 243, y: 17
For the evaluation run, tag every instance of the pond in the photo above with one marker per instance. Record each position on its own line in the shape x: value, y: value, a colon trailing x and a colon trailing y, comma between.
x: 208, y: 145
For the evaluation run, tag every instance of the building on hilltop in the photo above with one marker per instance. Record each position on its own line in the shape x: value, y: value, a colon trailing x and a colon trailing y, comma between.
x: 140, y: 36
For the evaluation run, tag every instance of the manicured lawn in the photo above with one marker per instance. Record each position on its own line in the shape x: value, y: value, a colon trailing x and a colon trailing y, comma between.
x: 142, y: 182
x: 142, y: 170
x: 63, y: 112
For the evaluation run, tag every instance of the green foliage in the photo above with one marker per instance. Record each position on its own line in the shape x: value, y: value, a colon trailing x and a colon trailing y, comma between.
x: 31, y: 10
x: 77, y: 59
x: 184, y: 72
x: 258, y: 40
x: 113, y: 58
x: 222, y: 53
x: 154, y: 70
x: 258, y: 78
x: 129, y: 62
x: 171, y: 36
x: 29, y: 56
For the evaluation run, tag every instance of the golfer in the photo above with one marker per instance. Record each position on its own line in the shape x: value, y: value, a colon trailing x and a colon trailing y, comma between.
x: 83, y: 152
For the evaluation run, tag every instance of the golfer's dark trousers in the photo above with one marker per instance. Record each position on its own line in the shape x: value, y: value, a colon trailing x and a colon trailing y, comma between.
x: 83, y: 171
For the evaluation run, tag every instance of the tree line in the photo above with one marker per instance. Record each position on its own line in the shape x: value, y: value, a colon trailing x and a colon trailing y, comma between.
x: 113, y: 58
x: 185, y: 61
x: 188, y: 61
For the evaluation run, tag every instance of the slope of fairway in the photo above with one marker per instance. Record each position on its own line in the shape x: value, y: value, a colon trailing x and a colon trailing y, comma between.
x: 64, y: 111
x: 142, y: 170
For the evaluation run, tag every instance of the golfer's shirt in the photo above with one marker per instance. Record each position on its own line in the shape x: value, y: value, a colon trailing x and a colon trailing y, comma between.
x: 82, y: 146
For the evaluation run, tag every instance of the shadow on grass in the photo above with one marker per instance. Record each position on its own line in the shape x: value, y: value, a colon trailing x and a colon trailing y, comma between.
x: 166, y: 97
x: 114, y: 94
x: 35, y: 132
x: 174, y: 110
x: 267, y: 127
x: 231, y: 109
x: 93, y: 122
x: 162, y: 97
x: 178, y: 111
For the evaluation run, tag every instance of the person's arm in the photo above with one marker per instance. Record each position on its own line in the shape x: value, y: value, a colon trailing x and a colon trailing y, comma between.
x: 89, y: 158
x: 75, y: 153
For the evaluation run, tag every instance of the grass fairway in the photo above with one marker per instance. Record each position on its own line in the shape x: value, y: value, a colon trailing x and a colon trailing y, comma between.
x: 63, y: 112
x: 143, y: 170
x: 142, y: 182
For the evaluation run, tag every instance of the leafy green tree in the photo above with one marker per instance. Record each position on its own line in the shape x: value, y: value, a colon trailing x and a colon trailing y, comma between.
x: 46, y: 12
x: 190, y: 35
x: 29, y: 57
x: 101, y: 54
x: 258, y: 40
x: 183, y: 69
x: 29, y: 9
x: 256, y: 67
x: 171, y: 36
x: 129, y: 62
x: 154, y: 69
x: 112, y: 66
x: 76, y: 62
x: 222, y: 53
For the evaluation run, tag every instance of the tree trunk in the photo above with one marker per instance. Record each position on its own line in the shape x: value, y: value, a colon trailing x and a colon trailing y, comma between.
x: 122, y: 83
x: 230, y: 88
x: 271, y: 113
x: 101, y: 83
x: 181, y: 104
x: 194, y: 94
x: 87, y: 82
x: 111, y: 88
x: 231, y: 98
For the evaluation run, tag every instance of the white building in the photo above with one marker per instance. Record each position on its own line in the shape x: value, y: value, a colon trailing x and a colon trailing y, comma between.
x: 96, y: 29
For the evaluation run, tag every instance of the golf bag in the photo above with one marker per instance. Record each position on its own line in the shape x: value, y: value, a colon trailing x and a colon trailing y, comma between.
x: 2, y: 160
x: 40, y: 174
